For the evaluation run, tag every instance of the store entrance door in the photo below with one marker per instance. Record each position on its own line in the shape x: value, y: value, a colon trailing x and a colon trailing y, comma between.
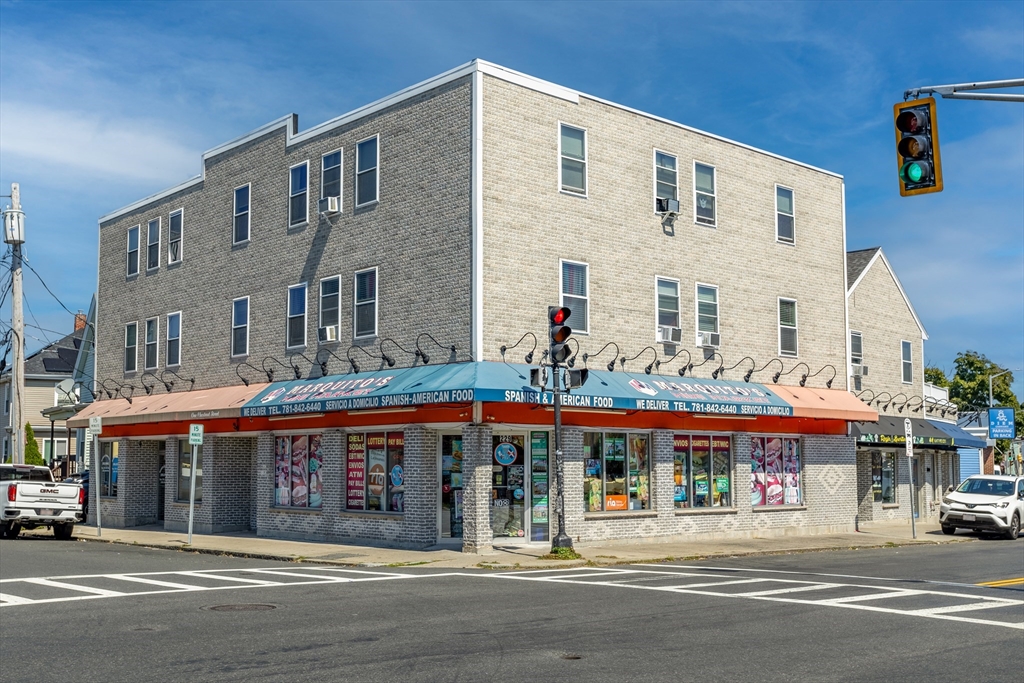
x: 451, y: 486
x: 519, y: 486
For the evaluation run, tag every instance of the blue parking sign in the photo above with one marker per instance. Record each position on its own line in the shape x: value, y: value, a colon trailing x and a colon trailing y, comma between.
x: 1001, y: 423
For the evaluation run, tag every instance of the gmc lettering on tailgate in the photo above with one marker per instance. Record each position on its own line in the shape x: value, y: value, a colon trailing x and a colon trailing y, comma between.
x: 49, y: 490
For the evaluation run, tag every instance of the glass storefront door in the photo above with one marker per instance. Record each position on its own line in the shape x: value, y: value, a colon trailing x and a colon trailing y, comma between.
x: 451, y: 486
x: 508, y: 486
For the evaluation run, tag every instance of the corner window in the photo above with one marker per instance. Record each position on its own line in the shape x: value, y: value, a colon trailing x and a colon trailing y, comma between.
x: 329, y: 301
x: 185, y: 471
x: 298, y: 200
x: 242, y: 217
x: 668, y: 303
x: 240, y: 327
x: 784, y: 229
x: 702, y: 468
x: 297, y: 315
x: 704, y: 194
x: 153, y: 245
x: 173, y: 339
x: 367, y: 178
x: 174, y: 226
x: 376, y: 476
x: 775, y: 471
x: 152, y: 333
x: 330, y: 175
x: 787, y: 327
x: 616, y: 472
x: 572, y: 149
x: 365, y: 313
x: 575, y: 295
x: 133, y: 251
x: 883, y: 476
x: 131, y: 346
x: 666, y: 177
x: 707, y: 309
x: 298, y: 471
x: 908, y: 362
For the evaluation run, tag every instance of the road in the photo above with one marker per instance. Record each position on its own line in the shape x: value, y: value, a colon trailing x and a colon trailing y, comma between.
x: 85, y: 611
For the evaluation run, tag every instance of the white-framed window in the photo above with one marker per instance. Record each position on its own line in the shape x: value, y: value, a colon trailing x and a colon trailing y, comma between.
x: 787, y: 327
x: 173, y: 352
x: 572, y: 154
x: 153, y: 244
x: 296, y: 315
x: 856, y: 348
x: 7, y: 400
x: 240, y: 231
x: 364, y: 321
x: 907, y: 358
x: 707, y: 308
x: 132, y: 266
x: 240, y: 326
x: 298, y: 194
x: 667, y: 301
x: 174, y: 228
x: 785, y: 229
x: 330, y: 292
x: 666, y: 177
x: 367, y: 176
x: 574, y: 286
x: 152, y: 358
x: 704, y: 210
x: 330, y: 175
x: 131, y: 347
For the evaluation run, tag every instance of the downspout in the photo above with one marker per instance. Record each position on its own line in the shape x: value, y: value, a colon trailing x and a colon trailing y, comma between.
x: 476, y: 269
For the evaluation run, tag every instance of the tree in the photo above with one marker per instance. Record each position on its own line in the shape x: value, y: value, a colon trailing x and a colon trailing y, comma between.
x: 935, y: 376
x: 32, y: 455
x: 969, y: 388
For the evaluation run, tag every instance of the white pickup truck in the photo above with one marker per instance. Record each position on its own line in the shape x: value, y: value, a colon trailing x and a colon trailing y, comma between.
x: 30, y: 498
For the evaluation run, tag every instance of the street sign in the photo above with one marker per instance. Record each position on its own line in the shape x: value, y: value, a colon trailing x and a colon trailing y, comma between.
x: 195, y: 435
x: 908, y: 432
x: 1001, y: 423
x: 96, y: 425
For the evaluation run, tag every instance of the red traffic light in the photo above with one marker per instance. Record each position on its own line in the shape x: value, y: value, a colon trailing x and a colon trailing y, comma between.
x: 558, y: 315
x: 910, y: 121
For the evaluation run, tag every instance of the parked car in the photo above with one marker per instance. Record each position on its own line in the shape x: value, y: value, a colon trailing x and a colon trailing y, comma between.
x: 83, y: 479
x: 984, y: 503
x: 31, y: 498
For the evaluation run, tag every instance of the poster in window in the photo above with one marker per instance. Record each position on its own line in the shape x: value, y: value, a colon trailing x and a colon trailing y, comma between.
x: 876, y: 475
x: 282, y: 467
x: 680, y: 465
x: 757, y: 489
x: 355, y: 473
x: 300, y: 472
x: 396, y: 471
x: 701, y: 461
x: 773, y: 472
x: 316, y: 475
x: 720, y: 470
x: 376, y: 471
x: 791, y: 471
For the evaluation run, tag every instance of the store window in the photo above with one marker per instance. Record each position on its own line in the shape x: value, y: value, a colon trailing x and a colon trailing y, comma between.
x: 775, y: 471
x: 617, y: 471
x: 298, y: 471
x: 174, y: 226
x: 108, y: 469
x: 451, y: 487
x: 298, y: 190
x: 375, y: 472
x: 702, y: 471
x: 185, y: 471
x: 883, y: 476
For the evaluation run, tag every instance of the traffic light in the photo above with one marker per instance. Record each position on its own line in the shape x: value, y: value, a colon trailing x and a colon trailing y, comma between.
x: 574, y: 379
x: 917, y: 147
x: 558, y: 333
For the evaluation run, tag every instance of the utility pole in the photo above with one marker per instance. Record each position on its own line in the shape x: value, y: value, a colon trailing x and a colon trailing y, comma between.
x: 14, y: 235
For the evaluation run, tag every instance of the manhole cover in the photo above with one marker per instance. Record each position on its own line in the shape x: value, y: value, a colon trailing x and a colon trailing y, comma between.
x: 241, y: 608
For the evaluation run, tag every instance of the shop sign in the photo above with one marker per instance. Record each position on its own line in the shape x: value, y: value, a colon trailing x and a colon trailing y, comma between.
x: 1001, y: 424
x: 901, y: 440
x: 615, y: 503
x: 397, y: 476
x: 355, y: 472
x: 722, y: 484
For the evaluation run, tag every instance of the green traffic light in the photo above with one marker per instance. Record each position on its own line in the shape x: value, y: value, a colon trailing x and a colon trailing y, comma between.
x: 913, y: 172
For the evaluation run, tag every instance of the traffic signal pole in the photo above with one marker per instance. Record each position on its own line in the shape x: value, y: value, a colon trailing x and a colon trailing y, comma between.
x: 963, y: 91
x: 561, y: 539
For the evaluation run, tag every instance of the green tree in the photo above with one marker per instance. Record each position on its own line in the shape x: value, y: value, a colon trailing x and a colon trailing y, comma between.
x: 32, y: 455
x: 969, y: 388
x: 935, y: 376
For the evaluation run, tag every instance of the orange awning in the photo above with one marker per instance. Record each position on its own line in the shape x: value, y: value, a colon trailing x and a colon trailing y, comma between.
x: 825, y: 404
x: 204, y: 404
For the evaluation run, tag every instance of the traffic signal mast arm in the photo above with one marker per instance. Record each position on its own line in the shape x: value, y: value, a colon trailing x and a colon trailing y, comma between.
x: 956, y: 91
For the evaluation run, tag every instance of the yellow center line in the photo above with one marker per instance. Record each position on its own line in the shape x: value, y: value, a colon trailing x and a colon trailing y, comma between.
x: 1004, y: 582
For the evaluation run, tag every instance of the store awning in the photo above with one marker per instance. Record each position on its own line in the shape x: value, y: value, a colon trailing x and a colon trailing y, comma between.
x: 961, y: 438
x: 890, y: 431
x: 201, y: 404
x: 825, y: 404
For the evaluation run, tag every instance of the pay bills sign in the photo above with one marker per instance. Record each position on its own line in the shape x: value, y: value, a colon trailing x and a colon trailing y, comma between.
x: 1001, y: 423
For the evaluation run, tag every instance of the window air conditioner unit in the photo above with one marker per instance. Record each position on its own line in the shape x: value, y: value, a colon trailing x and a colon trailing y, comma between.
x: 860, y: 370
x: 669, y: 335
x: 709, y: 340
x: 669, y: 206
x: 327, y: 334
x: 330, y: 205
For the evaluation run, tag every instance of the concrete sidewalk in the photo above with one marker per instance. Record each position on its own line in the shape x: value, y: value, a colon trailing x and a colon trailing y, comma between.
x: 882, y: 534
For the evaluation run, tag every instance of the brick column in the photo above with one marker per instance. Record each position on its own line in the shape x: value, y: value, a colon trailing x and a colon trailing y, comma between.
x: 421, y: 485
x: 263, y: 496
x: 572, y: 484
x: 663, y: 474
x: 476, y: 489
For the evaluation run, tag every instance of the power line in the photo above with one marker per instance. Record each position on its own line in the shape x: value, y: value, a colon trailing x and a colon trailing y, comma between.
x: 31, y: 313
x: 41, y: 280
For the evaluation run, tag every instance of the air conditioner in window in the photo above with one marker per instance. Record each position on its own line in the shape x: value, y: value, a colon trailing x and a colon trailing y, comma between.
x: 667, y: 206
x: 327, y: 334
x: 330, y: 205
x: 860, y: 370
x: 669, y: 335
x: 709, y: 340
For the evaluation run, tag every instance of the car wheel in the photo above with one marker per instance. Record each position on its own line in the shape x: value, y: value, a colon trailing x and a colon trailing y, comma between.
x: 12, y: 530
x: 1014, y: 531
x: 948, y: 530
x: 62, y: 532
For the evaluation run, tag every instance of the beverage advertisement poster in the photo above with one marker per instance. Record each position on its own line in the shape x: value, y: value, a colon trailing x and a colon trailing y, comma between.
x: 376, y: 471
x: 791, y: 471
x: 300, y: 474
x: 316, y: 475
x: 773, y: 472
x: 757, y: 488
x: 355, y: 472
x: 282, y: 467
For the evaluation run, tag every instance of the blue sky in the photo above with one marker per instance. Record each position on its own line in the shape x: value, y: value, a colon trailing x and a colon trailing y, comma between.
x: 104, y: 103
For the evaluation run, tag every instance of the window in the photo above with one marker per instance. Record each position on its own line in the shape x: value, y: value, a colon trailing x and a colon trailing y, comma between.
x: 702, y: 470
x: 572, y: 149
x: 298, y: 201
x: 666, y: 177
x: 856, y: 348
x: 108, y: 469
x: 575, y: 295
x: 787, y: 327
x: 240, y: 327
x: 131, y: 345
x: 883, y: 476
x: 7, y: 399
x: 365, y: 322
x: 153, y: 245
x: 297, y: 315
x: 242, y: 220
x: 329, y: 301
x: 784, y: 214
x: 152, y: 332
x: 185, y: 471
x: 173, y: 339
x: 60, y: 446
x: 298, y: 471
x: 704, y: 193
x: 908, y: 362
x: 707, y: 308
x: 174, y: 237
x: 133, y: 251
x: 617, y: 471
x: 775, y: 471
x: 668, y: 302
x: 375, y: 478
x: 367, y: 178
x: 330, y: 176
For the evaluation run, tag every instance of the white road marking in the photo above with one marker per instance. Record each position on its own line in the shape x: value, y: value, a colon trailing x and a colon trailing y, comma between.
x: 14, y: 599
x: 221, y: 577
x: 797, y: 589
x: 890, y: 593
x: 152, y: 582
x: 970, y: 607
x: 67, y: 586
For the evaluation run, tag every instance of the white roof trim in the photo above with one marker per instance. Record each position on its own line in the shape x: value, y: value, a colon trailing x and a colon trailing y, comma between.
x: 906, y: 299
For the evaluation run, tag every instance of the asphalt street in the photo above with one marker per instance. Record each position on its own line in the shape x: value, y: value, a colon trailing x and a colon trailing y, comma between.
x: 80, y: 611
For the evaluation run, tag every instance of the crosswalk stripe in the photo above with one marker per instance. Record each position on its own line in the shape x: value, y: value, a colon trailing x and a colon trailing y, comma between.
x: 155, y: 582
x: 70, y: 587
x: 796, y: 589
x: 871, y: 596
x: 314, y: 577
x: 239, y: 579
x: 988, y: 604
x: 14, y: 599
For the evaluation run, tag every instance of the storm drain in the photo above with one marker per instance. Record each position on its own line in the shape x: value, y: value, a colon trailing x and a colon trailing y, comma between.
x: 242, y: 608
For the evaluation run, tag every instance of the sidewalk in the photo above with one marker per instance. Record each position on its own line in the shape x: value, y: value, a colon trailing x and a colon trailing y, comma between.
x: 505, y: 556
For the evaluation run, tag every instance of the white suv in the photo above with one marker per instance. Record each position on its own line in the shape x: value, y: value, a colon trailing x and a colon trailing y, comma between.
x: 984, y: 503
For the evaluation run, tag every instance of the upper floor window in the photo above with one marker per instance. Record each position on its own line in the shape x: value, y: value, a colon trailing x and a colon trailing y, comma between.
x: 240, y: 326
x: 174, y: 226
x: 329, y: 292
x: 330, y: 176
x: 367, y: 178
x: 784, y: 214
x: 152, y: 333
x: 576, y: 295
x: 153, y: 245
x: 707, y: 310
x: 131, y: 346
x: 856, y: 348
x: 906, y: 354
x: 298, y: 201
x: 666, y: 177
x: 787, y: 327
x: 133, y: 251
x: 297, y: 315
x: 242, y: 218
x: 572, y: 149
x: 668, y: 303
x: 173, y: 354
x: 366, y: 303
x: 704, y: 193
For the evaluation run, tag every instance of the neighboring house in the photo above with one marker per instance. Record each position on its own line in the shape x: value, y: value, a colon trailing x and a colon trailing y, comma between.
x: 440, y: 223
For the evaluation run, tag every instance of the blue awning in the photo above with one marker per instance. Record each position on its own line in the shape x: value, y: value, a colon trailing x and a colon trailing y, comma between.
x: 510, y: 383
x: 959, y: 436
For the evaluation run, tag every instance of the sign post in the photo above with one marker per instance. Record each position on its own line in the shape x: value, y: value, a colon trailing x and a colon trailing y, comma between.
x: 195, y: 440
x: 908, y: 432
x: 95, y: 476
